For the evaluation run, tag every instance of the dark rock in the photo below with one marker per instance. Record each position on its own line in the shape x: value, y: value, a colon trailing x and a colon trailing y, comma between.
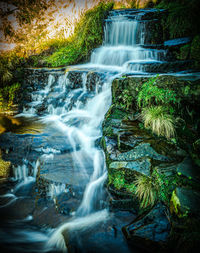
x: 189, y: 169
x: 185, y: 201
x: 94, y: 81
x: 160, y: 67
x: 150, y: 232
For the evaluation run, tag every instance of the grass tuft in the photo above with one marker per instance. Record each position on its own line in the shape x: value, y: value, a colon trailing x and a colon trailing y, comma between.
x: 159, y: 120
x: 146, y: 190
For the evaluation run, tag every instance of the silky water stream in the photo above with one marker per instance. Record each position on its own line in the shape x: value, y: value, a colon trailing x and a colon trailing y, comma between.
x: 66, y: 156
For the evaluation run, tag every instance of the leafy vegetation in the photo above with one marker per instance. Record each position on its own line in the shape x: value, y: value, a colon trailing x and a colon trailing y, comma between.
x: 7, y: 96
x: 151, y: 94
x: 158, y: 119
x: 126, y: 99
x: 183, y: 17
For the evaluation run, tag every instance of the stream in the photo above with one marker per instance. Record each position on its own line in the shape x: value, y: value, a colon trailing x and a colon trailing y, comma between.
x: 55, y: 200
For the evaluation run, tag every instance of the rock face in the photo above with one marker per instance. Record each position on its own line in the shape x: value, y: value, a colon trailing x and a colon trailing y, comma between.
x: 151, y: 232
x: 132, y: 151
x: 187, y: 89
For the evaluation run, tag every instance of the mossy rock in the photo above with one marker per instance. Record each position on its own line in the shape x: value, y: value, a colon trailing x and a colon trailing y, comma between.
x: 184, y: 202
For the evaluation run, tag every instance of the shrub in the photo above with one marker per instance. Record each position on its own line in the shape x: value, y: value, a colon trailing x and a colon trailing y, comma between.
x: 151, y: 94
x: 158, y: 119
x: 146, y: 190
x: 118, y: 181
x: 7, y: 95
x: 183, y: 17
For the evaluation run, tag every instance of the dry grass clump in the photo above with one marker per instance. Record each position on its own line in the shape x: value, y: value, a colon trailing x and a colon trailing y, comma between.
x: 159, y: 120
x: 146, y: 190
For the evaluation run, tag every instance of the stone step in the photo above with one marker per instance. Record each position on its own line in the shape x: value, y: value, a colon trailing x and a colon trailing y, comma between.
x: 159, y: 66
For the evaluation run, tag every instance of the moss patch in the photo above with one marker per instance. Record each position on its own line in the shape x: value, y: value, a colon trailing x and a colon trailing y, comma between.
x: 4, y: 168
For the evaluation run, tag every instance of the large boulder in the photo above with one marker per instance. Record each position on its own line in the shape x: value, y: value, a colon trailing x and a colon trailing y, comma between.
x: 151, y: 232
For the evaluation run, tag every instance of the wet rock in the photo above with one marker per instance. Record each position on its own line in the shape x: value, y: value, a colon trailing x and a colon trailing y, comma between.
x: 19, y: 208
x: 110, y: 147
x: 140, y: 151
x: 46, y: 214
x: 139, y: 166
x: 124, y: 204
x: 177, y: 42
x: 59, y: 169
x: 94, y: 81
x: 75, y: 78
x: 185, y: 201
x: 150, y: 232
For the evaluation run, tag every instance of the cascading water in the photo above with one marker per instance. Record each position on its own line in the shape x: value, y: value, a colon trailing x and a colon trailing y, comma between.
x: 122, y: 45
x: 75, y: 111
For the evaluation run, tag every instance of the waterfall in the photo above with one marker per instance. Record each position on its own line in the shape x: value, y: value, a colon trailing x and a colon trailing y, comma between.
x: 73, y: 105
x: 120, y: 32
x: 122, y: 45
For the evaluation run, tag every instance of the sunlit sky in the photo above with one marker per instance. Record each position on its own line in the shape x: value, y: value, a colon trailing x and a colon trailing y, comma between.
x: 60, y: 17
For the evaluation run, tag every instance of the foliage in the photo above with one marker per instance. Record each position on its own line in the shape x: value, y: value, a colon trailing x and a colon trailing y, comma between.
x: 195, y: 51
x: 24, y: 11
x: 183, y: 17
x: 7, y: 95
x: 10, y: 64
x: 126, y: 99
x: 130, y: 188
x: 146, y: 190
x: 88, y: 35
x: 151, y: 94
x: 165, y: 184
x: 118, y: 180
x: 175, y: 204
x: 158, y: 119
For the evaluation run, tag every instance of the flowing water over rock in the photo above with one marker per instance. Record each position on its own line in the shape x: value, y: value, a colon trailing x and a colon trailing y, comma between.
x: 58, y: 175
